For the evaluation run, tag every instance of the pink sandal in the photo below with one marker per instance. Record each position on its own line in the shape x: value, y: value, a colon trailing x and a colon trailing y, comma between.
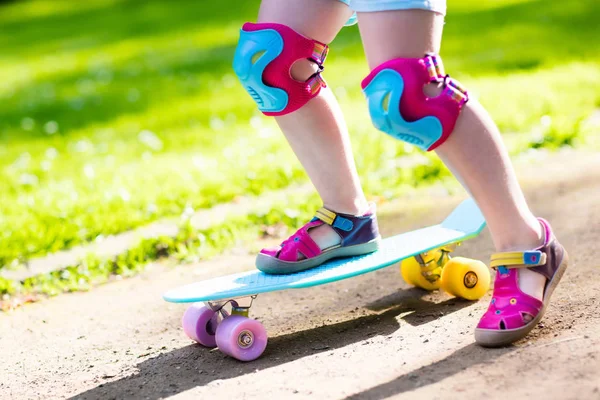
x: 504, y: 322
x: 359, y: 234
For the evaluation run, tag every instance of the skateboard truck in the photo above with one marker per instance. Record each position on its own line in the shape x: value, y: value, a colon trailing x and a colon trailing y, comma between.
x: 433, y: 261
x: 236, y: 308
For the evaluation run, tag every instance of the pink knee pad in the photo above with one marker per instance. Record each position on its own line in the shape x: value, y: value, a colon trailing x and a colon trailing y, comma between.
x: 263, y: 60
x: 399, y: 107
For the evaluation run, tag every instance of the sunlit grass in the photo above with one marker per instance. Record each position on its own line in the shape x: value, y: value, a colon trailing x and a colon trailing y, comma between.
x: 118, y: 113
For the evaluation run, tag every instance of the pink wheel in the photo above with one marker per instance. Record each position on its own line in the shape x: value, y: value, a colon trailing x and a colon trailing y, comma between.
x: 200, y: 324
x: 242, y: 338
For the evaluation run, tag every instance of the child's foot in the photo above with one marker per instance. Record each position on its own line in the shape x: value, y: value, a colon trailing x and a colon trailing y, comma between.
x: 518, y: 303
x: 328, y: 235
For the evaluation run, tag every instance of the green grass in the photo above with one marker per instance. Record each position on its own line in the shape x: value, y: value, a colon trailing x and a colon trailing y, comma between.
x: 189, y: 245
x: 116, y: 113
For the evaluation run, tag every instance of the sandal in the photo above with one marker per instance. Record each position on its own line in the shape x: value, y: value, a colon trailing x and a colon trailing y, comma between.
x: 359, y: 234
x: 505, y: 320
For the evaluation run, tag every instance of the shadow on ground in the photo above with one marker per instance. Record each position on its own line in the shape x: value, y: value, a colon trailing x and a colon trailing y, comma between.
x: 458, y: 361
x: 193, y: 366
x: 418, y: 311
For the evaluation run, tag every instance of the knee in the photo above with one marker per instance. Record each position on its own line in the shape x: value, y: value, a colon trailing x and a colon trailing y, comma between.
x: 303, y: 69
x: 412, y: 100
x: 278, y: 67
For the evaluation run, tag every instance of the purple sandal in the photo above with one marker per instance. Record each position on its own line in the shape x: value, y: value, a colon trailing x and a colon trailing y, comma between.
x: 504, y: 322
x: 359, y: 234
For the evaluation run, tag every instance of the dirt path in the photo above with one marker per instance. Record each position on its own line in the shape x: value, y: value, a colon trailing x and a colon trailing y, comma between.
x: 370, y: 337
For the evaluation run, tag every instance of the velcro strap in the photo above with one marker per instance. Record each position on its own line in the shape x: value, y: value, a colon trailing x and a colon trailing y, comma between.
x: 326, y: 215
x: 435, y: 68
x: 436, y: 72
x: 518, y: 259
x: 316, y: 82
x: 455, y: 90
x: 320, y: 52
x: 334, y: 220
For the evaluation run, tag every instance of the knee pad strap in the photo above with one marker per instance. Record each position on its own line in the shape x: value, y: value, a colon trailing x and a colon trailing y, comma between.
x: 263, y: 59
x: 398, y: 106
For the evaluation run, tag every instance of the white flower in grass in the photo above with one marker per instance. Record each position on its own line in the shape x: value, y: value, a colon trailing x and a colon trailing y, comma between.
x: 28, y: 180
x: 83, y: 146
x: 51, y: 153
x: 22, y: 161
x: 291, y: 213
x: 537, y: 135
x: 187, y: 213
x: 150, y: 139
x: 255, y: 122
x: 124, y: 195
x: 89, y: 171
x: 267, y: 132
x: 216, y: 123
x: 46, y: 165
x: 408, y: 148
x: 546, y: 121
x: 27, y: 123
x: 51, y: 127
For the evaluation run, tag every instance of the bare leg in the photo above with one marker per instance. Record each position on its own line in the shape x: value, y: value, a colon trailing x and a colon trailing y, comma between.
x: 474, y: 152
x: 317, y: 132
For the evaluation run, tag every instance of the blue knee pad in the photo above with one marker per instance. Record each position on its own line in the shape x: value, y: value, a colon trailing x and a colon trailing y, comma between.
x: 383, y: 96
x: 268, y: 44
x: 398, y: 106
x: 263, y: 60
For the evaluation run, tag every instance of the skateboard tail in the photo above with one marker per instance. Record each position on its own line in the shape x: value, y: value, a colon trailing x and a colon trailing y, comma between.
x: 467, y: 217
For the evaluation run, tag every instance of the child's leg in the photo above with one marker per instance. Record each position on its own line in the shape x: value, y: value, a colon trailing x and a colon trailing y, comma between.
x: 316, y: 131
x: 474, y: 150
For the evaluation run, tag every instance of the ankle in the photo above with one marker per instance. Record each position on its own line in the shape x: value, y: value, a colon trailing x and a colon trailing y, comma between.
x: 529, y: 236
x: 358, y: 207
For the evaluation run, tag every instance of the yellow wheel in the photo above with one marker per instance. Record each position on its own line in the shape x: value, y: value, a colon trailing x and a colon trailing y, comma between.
x: 413, y: 272
x: 466, y: 278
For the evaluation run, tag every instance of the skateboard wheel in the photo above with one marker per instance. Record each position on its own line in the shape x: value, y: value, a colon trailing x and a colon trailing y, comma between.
x: 466, y: 278
x: 412, y: 274
x: 200, y: 324
x: 242, y: 338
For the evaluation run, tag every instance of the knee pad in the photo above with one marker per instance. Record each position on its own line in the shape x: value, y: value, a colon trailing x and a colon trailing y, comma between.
x: 398, y: 106
x: 263, y: 59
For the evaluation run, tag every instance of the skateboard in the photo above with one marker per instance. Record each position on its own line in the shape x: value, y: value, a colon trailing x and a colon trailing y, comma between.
x: 217, y: 319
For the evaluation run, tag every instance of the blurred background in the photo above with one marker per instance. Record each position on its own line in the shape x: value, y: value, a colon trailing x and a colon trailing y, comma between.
x: 116, y: 113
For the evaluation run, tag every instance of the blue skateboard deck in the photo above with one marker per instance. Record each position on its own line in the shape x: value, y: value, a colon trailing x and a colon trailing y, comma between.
x: 466, y: 221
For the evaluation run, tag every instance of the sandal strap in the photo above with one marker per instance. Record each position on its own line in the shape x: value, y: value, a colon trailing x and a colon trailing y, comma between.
x: 518, y: 259
x: 331, y: 218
